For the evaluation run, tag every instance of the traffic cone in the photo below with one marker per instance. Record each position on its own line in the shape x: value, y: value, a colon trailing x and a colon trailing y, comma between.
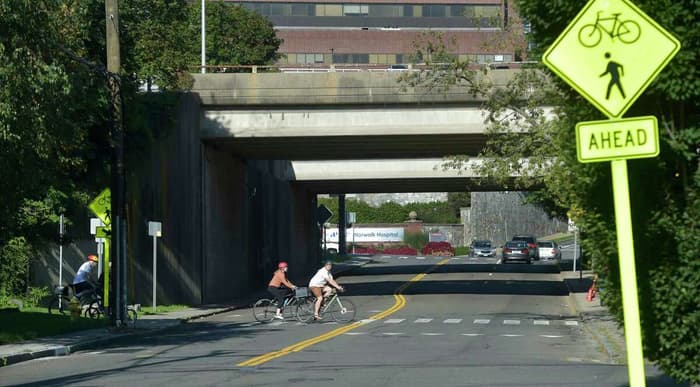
x: 591, y: 293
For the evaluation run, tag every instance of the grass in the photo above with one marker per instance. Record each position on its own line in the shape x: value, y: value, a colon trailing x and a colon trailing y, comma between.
x: 558, y: 237
x: 32, y: 323
x: 462, y: 250
x: 163, y: 309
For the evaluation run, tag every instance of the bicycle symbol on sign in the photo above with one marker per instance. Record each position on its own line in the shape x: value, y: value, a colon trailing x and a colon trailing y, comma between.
x: 627, y: 31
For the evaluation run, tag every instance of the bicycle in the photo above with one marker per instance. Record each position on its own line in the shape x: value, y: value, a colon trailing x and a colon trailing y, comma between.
x: 60, y: 303
x: 628, y: 31
x: 342, y: 311
x: 97, y: 310
x: 264, y: 309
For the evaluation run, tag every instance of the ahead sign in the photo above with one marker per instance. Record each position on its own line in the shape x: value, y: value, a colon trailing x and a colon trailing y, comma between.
x: 610, y: 53
x: 608, y: 140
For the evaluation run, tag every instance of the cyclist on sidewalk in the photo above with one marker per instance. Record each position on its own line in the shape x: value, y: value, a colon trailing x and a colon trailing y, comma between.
x: 319, y: 286
x: 280, y: 287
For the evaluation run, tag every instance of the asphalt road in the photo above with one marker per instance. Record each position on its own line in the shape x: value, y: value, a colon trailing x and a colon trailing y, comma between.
x: 468, y: 322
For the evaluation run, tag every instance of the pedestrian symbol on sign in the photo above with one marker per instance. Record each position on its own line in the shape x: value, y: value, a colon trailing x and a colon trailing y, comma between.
x: 616, y: 71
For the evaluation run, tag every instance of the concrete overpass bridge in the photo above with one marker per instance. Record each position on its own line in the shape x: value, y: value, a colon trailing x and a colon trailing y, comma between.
x: 235, y: 182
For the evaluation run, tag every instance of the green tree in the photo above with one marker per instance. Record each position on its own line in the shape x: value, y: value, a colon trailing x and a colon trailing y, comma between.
x: 538, y: 146
x: 236, y: 35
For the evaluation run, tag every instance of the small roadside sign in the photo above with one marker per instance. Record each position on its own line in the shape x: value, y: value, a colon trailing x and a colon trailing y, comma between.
x: 608, y: 140
x: 101, y: 206
x: 610, y: 53
x: 323, y: 214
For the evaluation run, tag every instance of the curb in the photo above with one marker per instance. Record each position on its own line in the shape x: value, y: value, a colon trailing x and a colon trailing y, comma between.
x: 64, y: 350
x: 600, y: 338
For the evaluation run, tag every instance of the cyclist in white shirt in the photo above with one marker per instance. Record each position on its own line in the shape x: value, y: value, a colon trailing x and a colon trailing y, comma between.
x: 319, y: 286
x: 86, y: 277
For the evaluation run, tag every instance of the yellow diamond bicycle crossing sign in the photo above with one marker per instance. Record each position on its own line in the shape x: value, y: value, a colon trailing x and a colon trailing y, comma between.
x: 607, y: 140
x: 610, y: 53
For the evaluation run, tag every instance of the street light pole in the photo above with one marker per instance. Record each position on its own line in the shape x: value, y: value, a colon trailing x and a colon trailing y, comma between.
x: 204, y: 37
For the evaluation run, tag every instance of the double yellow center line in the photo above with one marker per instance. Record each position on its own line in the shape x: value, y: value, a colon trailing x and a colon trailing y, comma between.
x: 399, y: 303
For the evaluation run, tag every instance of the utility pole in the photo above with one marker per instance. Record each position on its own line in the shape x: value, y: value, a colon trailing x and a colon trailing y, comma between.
x: 117, y: 169
x: 204, y: 36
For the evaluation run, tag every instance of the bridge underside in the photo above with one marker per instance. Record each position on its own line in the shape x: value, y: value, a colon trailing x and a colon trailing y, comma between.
x: 353, y: 147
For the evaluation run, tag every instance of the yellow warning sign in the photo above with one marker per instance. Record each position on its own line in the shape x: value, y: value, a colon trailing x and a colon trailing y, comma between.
x: 102, y: 207
x: 610, y: 53
x: 608, y: 140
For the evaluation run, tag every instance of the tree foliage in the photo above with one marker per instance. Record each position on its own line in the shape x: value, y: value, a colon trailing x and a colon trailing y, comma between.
x: 529, y: 139
x: 391, y: 212
x: 54, y: 113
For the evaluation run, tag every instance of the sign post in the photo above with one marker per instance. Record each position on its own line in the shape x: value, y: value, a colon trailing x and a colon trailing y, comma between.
x: 101, y: 206
x: 154, y: 230
x: 94, y: 224
x: 610, y: 53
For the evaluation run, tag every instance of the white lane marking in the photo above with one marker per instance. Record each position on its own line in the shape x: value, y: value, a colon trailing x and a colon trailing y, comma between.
x: 481, y: 321
x: 541, y: 322
x: 375, y: 311
x: 300, y: 323
x: 277, y: 323
x: 392, y: 333
x: 571, y: 323
x: 423, y: 320
x: 510, y: 335
x: 432, y: 334
x: 367, y: 321
x: 250, y: 324
x: 330, y: 323
x: 511, y: 322
x: 455, y: 258
x: 498, y: 262
x: 355, y: 333
x: 420, y: 257
x: 472, y: 334
x: 551, y: 336
x: 394, y: 321
x: 235, y: 315
x: 453, y: 321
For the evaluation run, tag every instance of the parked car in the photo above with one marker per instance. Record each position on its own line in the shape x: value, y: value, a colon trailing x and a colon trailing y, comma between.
x: 482, y: 248
x: 531, y: 244
x: 516, y: 251
x: 549, y: 250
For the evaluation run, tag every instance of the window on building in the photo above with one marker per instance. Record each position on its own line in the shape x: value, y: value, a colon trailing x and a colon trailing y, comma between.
x: 435, y: 10
x: 385, y: 10
x: 355, y: 9
x: 303, y: 10
x: 351, y: 58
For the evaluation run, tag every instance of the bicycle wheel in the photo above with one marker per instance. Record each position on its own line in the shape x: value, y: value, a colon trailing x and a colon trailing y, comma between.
x: 629, y: 31
x: 589, y: 35
x: 94, y: 310
x: 290, y: 310
x: 62, y: 307
x: 342, y: 310
x: 305, y: 309
x: 264, y: 310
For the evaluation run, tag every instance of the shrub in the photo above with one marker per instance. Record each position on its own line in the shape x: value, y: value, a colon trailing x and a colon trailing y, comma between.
x: 403, y: 250
x: 416, y: 240
x: 438, y: 248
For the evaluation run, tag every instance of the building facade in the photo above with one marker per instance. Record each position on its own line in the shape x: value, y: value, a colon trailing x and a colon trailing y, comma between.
x: 384, y: 32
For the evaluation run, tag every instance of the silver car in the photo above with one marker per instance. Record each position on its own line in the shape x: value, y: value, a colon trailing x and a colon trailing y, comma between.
x: 482, y: 249
x: 549, y: 250
x: 516, y: 251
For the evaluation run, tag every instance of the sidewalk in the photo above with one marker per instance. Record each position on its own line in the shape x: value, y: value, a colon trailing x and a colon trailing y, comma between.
x: 597, y: 320
x: 146, y: 324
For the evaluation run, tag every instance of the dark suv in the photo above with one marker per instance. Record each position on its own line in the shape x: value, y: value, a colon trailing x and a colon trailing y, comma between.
x: 531, y: 244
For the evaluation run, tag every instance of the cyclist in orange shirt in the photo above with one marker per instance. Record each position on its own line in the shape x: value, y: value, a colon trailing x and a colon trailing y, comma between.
x: 280, y: 287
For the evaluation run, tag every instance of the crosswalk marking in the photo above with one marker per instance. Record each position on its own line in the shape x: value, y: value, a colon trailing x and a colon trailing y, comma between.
x: 355, y: 333
x: 394, y: 321
x: 392, y: 333
x: 277, y: 323
x: 423, y: 320
x: 432, y: 334
x: 453, y: 321
x: 510, y: 335
x: 511, y: 322
x: 571, y: 323
x: 250, y: 324
x: 367, y: 321
x: 541, y: 322
x: 551, y: 336
x: 481, y: 321
x: 472, y: 334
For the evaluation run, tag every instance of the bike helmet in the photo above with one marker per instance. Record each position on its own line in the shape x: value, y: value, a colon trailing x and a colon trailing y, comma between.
x: 92, y: 257
x: 282, y: 265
